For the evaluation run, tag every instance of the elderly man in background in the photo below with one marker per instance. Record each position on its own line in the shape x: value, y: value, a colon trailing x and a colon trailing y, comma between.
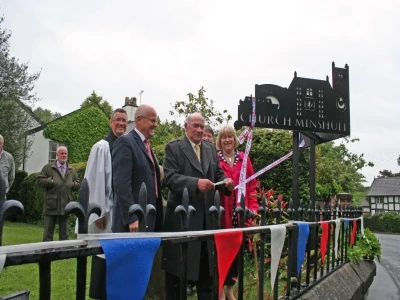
x: 58, y: 179
x: 7, y: 165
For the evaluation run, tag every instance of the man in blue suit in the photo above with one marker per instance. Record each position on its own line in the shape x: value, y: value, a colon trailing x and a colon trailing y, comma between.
x: 134, y: 163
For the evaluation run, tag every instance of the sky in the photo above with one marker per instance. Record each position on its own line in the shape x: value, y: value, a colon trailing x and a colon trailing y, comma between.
x: 168, y: 49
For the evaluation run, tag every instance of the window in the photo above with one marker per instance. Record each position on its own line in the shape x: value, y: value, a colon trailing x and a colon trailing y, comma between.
x: 309, y: 92
x: 379, y: 199
x: 53, y: 150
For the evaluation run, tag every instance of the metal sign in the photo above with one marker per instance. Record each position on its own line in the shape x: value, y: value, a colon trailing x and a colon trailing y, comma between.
x: 309, y: 105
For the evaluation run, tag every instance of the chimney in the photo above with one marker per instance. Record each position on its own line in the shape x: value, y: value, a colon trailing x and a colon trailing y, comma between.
x: 130, y: 108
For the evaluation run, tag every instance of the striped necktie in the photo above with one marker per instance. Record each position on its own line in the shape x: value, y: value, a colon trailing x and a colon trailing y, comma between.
x: 197, y: 150
x: 147, y: 144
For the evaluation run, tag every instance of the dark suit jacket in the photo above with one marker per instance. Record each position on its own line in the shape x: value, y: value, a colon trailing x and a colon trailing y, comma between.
x: 183, y: 169
x: 131, y: 167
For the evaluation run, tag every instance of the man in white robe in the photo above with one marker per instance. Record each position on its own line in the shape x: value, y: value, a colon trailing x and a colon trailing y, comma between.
x: 99, y: 176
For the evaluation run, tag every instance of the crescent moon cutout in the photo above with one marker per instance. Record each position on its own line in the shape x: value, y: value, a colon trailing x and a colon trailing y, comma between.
x: 341, y: 105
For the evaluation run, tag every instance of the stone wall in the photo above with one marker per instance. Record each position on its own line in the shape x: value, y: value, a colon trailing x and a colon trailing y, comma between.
x: 351, y: 281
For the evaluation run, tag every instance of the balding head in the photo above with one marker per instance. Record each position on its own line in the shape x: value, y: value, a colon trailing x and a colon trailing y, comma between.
x: 146, y: 120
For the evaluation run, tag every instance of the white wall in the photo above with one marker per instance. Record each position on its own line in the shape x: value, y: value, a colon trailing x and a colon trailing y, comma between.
x: 39, y: 154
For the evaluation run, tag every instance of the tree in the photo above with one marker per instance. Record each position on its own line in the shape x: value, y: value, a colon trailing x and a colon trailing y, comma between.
x: 169, y: 130
x: 338, y: 170
x: 95, y: 99
x: 270, y: 145
x: 46, y: 115
x: 203, y: 105
x: 388, y: 173
x: 16, y: 98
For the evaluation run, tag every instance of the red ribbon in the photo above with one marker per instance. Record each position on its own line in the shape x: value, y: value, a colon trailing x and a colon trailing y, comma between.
x: 227, y: 245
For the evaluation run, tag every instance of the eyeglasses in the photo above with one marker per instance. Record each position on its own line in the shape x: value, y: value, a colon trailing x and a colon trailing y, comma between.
x: 154, y: 121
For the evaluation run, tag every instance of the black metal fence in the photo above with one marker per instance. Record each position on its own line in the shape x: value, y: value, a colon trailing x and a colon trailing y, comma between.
x: 296, y: 284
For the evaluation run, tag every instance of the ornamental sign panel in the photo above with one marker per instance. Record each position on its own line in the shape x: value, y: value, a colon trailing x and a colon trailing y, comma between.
x: 311, y: 106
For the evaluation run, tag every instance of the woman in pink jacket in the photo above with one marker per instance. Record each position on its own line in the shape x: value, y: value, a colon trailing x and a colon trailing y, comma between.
x: 231, y: 161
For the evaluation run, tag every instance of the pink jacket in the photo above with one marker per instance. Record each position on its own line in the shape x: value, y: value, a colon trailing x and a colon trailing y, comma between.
x: 227, y: 201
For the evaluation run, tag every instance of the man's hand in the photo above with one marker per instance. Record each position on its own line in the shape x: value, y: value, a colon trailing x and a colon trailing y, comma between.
x: 229, y: 184
x: 205, y: 185
x: 100, y: 223
x: 134, y: 227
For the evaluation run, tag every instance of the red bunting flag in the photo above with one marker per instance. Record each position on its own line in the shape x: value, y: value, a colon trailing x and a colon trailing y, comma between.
x: 324, y: 240
x: 353, y: 233
x: 227, y: 245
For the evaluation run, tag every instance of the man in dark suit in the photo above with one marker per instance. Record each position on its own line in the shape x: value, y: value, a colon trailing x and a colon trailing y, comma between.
x: 134, y: 163
x: 191, y: 163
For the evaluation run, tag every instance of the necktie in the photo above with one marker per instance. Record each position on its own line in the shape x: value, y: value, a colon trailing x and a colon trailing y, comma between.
x: 197, y: 150
x: 62, y: 171
x: 147, y: 144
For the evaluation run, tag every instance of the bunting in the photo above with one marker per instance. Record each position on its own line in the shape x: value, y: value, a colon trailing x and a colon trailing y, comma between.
x: 278, y: 234
x: 324, y: 240
x: 304, y: 231
x: 353, y: 233
x: 346, y: 224
x: 337, y: 231
x: 227, y: 245
x: 129, y: 263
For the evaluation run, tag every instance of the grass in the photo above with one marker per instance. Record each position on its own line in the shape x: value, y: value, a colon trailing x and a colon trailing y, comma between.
x: 22, y: 277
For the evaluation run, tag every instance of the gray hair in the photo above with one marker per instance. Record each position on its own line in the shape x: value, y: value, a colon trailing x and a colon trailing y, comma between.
x: 60, y: 148
x: 1, y: 138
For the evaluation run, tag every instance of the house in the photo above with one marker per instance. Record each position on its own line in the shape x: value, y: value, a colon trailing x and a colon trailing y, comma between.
x: 384, y: 195
x: 365, y: 207
x: 43, y: 149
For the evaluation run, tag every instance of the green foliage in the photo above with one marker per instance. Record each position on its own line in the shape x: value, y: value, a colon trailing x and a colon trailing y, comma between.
x: 79, y: 130
x: 95, y: 99
x: 13, y: 193
x: 386, y: 222
x: 46, y: 115
x: 338, y: 170
x: 165, y: 132
x: 16, y: 86
x: 200, y: 103
x: 267, y: 147
x: 388, y: 173
x: 31, y: 197
x: 360, y: 194
x: 80, y: 168
x: 367, y: 247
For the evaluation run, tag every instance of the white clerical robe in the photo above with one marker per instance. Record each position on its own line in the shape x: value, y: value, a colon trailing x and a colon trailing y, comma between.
x: 99, y: 176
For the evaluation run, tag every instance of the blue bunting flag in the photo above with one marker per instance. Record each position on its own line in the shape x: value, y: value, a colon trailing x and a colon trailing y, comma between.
x: 129, y: 263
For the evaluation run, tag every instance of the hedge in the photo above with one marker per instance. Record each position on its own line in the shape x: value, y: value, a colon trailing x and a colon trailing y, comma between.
x: 383, y: 222
x: 13, y: 193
